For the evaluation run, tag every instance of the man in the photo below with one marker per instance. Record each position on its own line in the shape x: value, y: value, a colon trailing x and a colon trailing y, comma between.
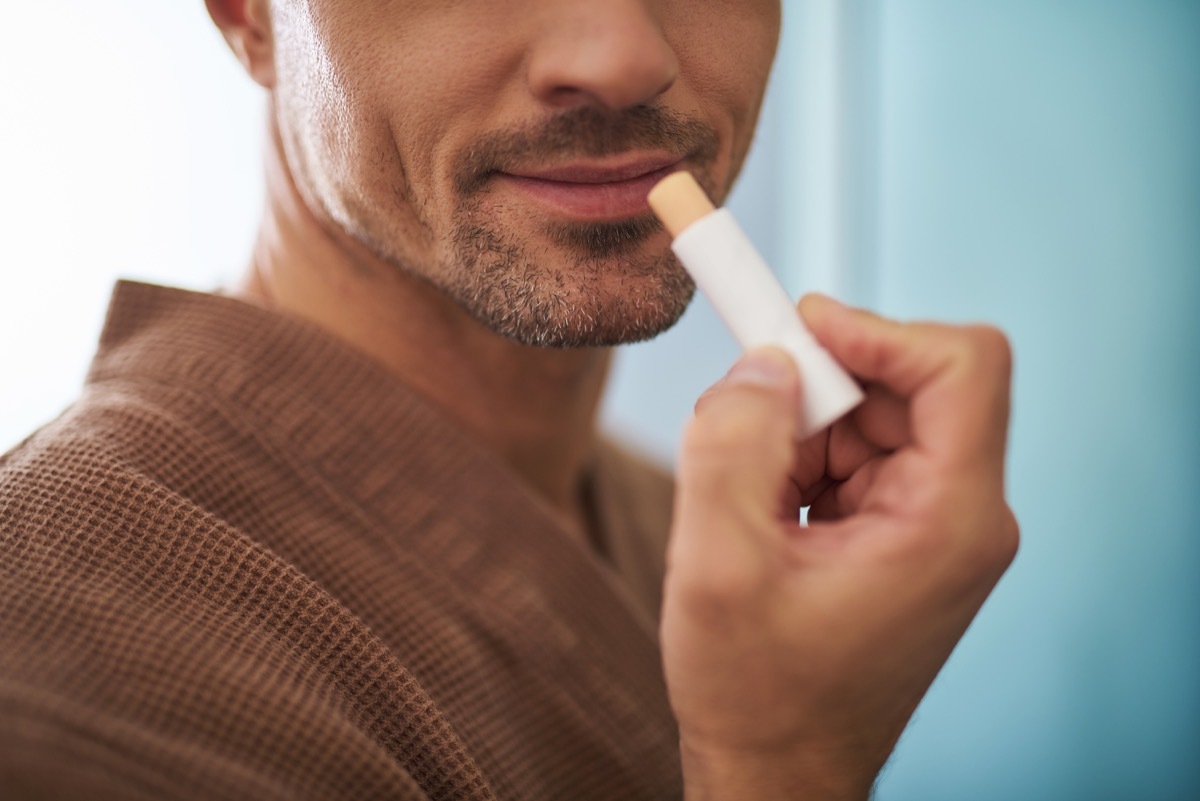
x: 351, y: 533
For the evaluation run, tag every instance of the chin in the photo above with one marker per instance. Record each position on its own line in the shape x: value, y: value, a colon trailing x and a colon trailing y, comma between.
x: 586, y: 286
x: 553, y: 314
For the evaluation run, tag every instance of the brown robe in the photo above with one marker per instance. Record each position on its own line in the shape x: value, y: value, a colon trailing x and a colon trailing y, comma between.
x: 251, y: 564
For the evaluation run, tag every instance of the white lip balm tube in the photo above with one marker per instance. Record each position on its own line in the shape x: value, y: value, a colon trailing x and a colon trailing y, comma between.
x: 741, y: 287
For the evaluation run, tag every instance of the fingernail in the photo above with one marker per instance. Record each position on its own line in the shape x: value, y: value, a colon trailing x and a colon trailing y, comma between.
x: 764, y: 368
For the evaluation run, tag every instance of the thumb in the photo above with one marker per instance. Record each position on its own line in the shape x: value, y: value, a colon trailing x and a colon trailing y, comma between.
x: 736, y: 458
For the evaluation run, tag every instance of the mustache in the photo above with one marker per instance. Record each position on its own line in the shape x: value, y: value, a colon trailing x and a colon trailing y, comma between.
x: 588, y: 131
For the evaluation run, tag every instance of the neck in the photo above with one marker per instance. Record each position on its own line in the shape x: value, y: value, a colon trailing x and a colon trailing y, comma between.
x: 534, y: 407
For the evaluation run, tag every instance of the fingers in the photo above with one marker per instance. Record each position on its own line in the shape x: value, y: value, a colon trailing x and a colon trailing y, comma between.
x: 882, y: 419
x: 954, y: 379
x: 741, y: 438
x: 849, y: 449
x: 809, y: 462
x: 734, y: 465
x: 844, y: 498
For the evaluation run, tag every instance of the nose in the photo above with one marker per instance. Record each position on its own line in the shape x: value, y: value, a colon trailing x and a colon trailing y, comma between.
x: 611, y: 53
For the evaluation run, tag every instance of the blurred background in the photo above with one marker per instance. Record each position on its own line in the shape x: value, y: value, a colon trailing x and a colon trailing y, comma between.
x: 1031, y: 163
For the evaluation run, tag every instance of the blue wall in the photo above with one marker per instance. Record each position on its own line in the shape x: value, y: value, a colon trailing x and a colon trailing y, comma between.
x: 1040, y: 168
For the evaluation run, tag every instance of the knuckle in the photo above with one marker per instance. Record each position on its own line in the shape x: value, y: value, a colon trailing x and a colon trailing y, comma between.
x: 992, y: 347
x: 976, y: 529
x: 995, y: 544
x: 860, y: 348
x: 1007, y: 540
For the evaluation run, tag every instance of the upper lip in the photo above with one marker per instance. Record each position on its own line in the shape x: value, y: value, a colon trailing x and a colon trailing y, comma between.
x: 623, y: 167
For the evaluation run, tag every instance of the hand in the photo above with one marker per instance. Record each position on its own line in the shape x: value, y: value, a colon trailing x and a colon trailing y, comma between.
x: 795, y: 656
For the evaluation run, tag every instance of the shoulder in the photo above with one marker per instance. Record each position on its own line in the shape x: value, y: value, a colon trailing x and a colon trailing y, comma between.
x: 144, y: 638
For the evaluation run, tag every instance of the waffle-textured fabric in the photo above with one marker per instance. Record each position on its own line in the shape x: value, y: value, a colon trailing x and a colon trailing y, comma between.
x: 249, y: 563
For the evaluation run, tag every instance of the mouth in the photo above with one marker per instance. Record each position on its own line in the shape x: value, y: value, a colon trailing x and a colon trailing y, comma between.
x: 591, y: 190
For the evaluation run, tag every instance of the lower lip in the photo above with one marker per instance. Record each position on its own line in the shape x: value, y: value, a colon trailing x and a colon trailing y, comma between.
x: 613, y: 200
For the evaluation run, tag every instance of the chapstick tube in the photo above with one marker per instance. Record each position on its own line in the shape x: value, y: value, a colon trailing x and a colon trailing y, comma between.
x: 753, y: 304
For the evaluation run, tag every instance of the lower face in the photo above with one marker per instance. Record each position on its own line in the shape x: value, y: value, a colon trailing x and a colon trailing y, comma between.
x: 417, y: 134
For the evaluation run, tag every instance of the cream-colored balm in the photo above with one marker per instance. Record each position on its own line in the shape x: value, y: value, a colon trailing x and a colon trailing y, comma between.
x: 753, y: 304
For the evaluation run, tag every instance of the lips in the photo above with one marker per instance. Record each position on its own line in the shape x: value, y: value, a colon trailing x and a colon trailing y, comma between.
x: 590, y: 191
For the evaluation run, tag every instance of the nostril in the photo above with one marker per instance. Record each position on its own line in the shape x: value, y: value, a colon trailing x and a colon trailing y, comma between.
x: 567, y: 97
x: 617, y: 66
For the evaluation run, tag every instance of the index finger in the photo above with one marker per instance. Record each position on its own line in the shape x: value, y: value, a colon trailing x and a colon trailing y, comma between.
x: 957, y: 378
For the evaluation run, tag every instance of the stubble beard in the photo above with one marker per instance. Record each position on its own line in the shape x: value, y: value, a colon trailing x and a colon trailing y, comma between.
x: 607, y: 290
x: 576, y: 284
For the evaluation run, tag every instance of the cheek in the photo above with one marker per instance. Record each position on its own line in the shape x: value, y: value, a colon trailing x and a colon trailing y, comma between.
x: 399, y: 103
x: 725, y: 58
x: 314, y: 105
x: 334, y: 124
x: 737, y: 56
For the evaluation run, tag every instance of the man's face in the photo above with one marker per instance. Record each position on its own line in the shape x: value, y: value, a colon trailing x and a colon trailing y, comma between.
x: 502, y: 149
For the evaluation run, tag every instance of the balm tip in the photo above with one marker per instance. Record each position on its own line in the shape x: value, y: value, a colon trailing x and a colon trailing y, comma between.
x: 678, y: 201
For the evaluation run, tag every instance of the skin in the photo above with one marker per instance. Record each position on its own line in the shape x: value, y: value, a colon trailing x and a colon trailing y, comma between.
x: 399, y: 218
